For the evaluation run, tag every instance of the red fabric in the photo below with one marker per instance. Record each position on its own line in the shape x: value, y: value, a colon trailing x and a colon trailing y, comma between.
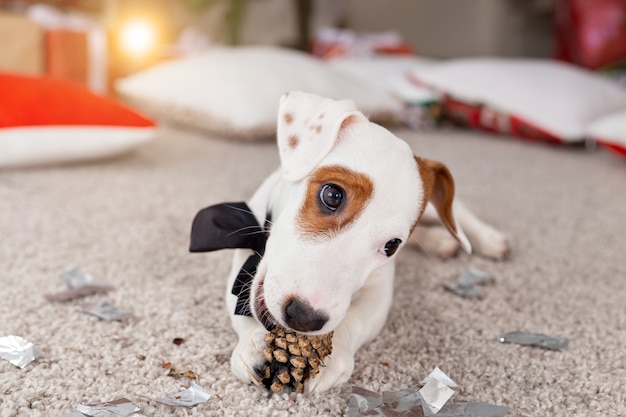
x: 620, y: 150
x: 591, y: 33
x: 462, y: 113
x: 30, y: 101
x: 477, y: 116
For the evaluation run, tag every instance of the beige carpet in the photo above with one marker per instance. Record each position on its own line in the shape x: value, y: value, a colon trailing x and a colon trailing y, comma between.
x: 127, y: 221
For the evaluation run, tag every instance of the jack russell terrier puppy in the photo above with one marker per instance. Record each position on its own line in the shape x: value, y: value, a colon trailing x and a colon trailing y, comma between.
x: 317, y: 241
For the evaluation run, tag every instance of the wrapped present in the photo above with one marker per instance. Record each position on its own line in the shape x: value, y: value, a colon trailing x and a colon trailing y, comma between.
x: 75, y: 47
x: 67, y: 55
x: 21, y: 45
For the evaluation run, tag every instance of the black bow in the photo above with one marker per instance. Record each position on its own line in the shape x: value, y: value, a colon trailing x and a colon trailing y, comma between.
x: 232, y: 226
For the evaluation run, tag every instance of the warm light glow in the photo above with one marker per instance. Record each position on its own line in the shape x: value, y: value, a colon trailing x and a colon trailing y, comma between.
x: 138, y: 38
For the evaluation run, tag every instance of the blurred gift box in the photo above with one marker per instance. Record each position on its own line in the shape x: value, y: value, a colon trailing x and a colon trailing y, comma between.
x: 21, y: 45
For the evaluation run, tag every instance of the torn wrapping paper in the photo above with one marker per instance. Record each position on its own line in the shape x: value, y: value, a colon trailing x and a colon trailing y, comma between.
x: 408, y: 402
x: 472, y: 409
x: 81, y: 284
x: 471, y: 277
x: 364, y: 402
x: 75, y: 278
x: 104, y: 310
x: 18, y: 351
x: 534, y: 339
x: 193, y: 395
x: 75, y: 293
x: 431, y: 400
x: 438, y: 375
x: 437, y: 390
x: 117, y: 408
x: 469, y: 282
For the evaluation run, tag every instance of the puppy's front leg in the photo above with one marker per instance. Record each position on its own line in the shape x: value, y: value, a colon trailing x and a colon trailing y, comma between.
x: 365, y: 319
x: 247, y: 357
x: 246, y: 360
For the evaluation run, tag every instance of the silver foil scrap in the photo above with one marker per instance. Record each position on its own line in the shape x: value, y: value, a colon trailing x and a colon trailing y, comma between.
x: 80, y: 284
x: 534, y: 339
x: 436, y: 391
x: 18, y: 350
x: 469, y: 283
x: 118, y: 408
x: 193, y: 395
x: 472, y: 409
x: 104, y: 310
x: 431, y: 400
x: 76, y: 278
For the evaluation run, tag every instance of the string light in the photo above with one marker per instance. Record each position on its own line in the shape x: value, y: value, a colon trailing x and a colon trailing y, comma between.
x: 138, y: 38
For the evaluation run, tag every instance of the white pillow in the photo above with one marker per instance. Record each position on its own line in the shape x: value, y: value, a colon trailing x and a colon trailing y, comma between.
x: 524, y: 97
x: 46, y: 121
x: 235, y: 91
x: 610, y: 132
x: 389, y: 73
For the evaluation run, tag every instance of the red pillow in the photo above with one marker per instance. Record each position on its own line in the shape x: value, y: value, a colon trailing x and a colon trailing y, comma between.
x: 49, y: 121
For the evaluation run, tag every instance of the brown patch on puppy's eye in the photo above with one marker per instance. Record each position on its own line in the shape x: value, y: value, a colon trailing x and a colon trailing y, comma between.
x: 313, y: 218
x: 288, y: 118
x: 292, y: 141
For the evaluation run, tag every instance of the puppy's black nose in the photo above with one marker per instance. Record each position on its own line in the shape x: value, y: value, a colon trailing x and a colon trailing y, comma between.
x: 301, y: 317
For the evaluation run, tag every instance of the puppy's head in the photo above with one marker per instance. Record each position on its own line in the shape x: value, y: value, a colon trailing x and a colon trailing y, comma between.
x: 351, y: 196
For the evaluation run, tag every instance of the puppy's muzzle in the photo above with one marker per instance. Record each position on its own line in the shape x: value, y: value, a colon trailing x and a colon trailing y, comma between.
x: 301, y: 317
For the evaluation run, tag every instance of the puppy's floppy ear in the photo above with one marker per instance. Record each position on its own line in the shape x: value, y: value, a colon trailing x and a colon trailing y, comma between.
x: 439, y: 189
x: 226, y: 226
x: 308, y: 128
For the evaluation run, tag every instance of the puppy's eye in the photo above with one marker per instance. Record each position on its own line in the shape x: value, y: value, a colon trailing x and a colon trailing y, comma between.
x: 391, y: 247
x: 331, y: 196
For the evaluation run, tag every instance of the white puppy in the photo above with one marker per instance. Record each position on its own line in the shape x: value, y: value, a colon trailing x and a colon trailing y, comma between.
x: 326, y: 228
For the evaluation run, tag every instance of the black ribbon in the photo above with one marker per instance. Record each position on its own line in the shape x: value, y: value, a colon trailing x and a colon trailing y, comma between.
x: 232, y: 226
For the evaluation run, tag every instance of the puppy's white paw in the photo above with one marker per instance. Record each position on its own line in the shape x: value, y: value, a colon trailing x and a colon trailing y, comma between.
x: 247, y: 358
x: 336, y: 370
x: 491, y: 243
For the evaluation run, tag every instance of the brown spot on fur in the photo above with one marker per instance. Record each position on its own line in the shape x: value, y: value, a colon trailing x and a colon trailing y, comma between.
x: 288, y: 118
x: 316, y: 128
x: 439, y: 189
x: 358, y: 188
x: 321, y: 115
x: 292, y: 141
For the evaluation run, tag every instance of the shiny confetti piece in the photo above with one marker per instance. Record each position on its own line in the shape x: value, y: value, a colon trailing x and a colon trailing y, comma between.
x: 18, y: 351
x: 194, y: 395
x: 471, y: 277
x: 469, y: 282
x: 409, y: 402
x: 75, y: 293
x: 437, y: 390
x: 117, y: 408
x: 534, y: 339
x: 80, y: 285
x: 75, y: 278
x: 472, y: 409
x: 364, y: 402
x: 104, y: 310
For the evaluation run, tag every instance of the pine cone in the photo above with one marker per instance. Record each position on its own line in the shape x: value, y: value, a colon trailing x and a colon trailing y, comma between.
x: 293, y: 358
